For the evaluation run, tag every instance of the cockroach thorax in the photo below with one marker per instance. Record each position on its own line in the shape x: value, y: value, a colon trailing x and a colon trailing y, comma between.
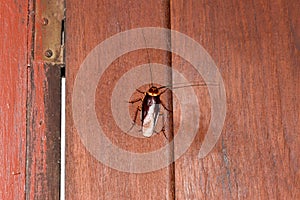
x: 153, y: 91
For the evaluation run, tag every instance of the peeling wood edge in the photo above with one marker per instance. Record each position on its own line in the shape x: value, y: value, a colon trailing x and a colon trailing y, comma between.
x: 43, y: 100
x: 43, y: 132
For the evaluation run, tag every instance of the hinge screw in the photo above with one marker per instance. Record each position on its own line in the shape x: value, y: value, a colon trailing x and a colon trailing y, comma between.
x: 48, y: 53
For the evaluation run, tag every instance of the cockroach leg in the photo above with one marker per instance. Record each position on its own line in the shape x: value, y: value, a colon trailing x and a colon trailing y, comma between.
x: 163, y: 127
x: 140, y: 91
x: 134, y: 119
x: 135, y: 100
x: 164, y: 91
x: 163, y: 131
x: 163, y: 104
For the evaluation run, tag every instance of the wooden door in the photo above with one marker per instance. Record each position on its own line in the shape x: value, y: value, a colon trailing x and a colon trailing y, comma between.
x: 255, y: 46
x: 29, y: 104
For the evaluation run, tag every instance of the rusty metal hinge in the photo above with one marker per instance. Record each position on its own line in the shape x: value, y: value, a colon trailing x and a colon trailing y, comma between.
x: 49, y: 31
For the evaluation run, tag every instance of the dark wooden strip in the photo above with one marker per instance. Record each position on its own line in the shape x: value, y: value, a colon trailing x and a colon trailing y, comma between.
x: 43, y: 103
x: 43, y: 133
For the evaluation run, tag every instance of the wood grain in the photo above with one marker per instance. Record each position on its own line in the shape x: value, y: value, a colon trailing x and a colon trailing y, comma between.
x: 257, y: 156
x: 86, y: 177
x: 13, y: 70
x: 43, y: 132
x: 29, y: 109
x: 43, y: 111
x: 255, y: 45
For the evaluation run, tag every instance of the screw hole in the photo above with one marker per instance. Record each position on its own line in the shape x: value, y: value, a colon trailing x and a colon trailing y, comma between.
x: 48, y: 53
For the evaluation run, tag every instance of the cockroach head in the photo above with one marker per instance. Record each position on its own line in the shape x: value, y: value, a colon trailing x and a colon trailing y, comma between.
x: 153, y: 91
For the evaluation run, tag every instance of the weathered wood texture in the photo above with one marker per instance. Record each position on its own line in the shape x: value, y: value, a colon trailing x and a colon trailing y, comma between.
x: 29, y: 109
x: 86, y: 177
x: 256, y: 48
x: 43, y: 133
x: 43, y: 110
x: 13, y: 70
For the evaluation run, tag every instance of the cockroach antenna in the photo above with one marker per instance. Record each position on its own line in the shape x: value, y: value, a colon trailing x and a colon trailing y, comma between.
x: 151, y: 103
x: 149, y: 61
x: 183, y: 85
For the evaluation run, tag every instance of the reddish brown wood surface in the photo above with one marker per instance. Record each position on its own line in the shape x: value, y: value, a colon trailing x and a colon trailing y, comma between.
x: 86, y: 177
x: 43, y: 135
x: 256, y: 46
x: 13, y: 59
x: 29, y: 109
x: 43, y: 110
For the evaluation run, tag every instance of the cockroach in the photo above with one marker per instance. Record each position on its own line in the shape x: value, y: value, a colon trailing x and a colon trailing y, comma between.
x: 150, y: 107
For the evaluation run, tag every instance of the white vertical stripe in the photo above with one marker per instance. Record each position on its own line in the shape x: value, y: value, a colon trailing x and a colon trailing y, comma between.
x: 63, y: 139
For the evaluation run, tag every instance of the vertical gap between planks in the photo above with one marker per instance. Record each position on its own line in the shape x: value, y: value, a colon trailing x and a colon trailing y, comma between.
x: 63, y: 113
x: 172, y: 172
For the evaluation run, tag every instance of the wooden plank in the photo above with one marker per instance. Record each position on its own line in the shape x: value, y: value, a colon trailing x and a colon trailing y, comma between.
x: 13, y: 59
x: 43, y: 105
x: 43, y: 101
x: 257, y: 155
x: 43, y: 133
x: 86, y: 177
x: 29, y: 109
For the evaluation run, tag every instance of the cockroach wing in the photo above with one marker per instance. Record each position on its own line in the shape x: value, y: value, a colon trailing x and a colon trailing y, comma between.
x: 150, y: 120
